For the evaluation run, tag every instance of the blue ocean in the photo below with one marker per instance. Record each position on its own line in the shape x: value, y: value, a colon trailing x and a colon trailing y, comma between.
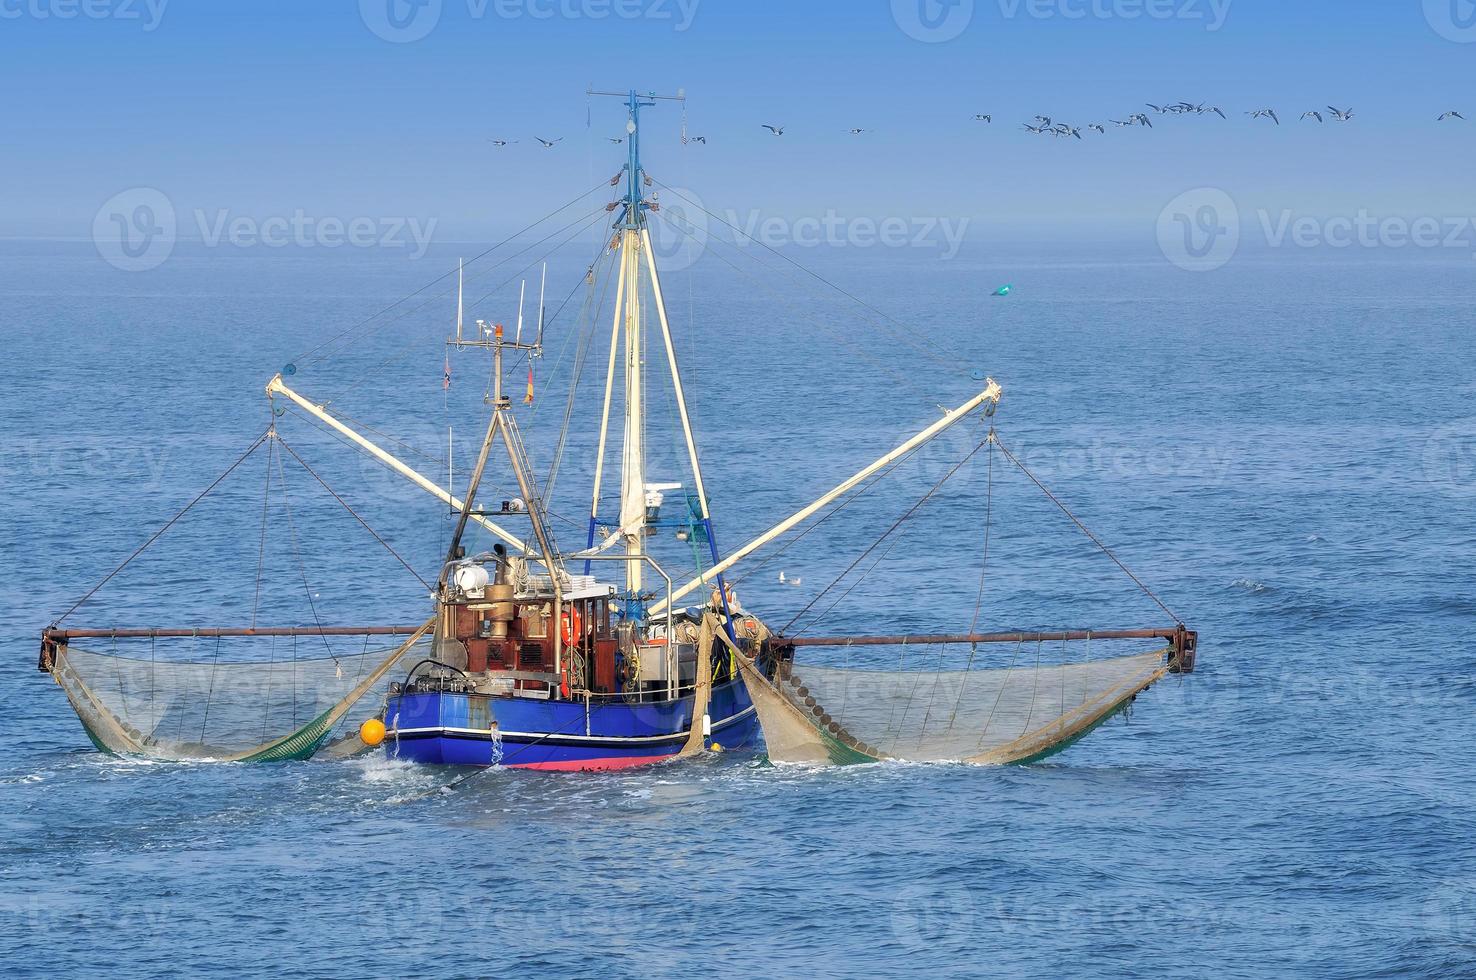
x: 1283, y: 450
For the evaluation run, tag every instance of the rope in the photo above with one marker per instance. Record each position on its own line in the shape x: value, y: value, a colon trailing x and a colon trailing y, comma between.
x: 266, y: 498
x: 872, y: 547
x: 906, y: 336
x: 353, y: 514
x: 302, y: 570
x: 584, y: 221
x: 1085, y: 530
x: 308, y: 357
x: 156, y: 535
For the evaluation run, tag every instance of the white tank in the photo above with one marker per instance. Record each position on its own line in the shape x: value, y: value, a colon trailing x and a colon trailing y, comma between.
x: 471, y: 578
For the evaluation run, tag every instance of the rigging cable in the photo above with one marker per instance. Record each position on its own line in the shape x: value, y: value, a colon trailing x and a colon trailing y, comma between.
x: 1087, y: 531
x: 167, y: 525
x: 936, y: 353
x: 309, y: 357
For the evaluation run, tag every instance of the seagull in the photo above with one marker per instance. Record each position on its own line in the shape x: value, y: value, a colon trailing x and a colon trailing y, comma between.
x: 1119, y: 122
x: 1144, y: 120
x: 1212, y: 108
x: 1340, y: 115
x: 1096, y: 127
x: 613, y: 139
x: 1265, y: 113
x: 1072, y: 131
x: 700, y: 139
x: 1313, y: 113
x: 1034, y: 129
x: 548, y: 144
x: 983, y: 118
x: 1043, y: 120
x: 1158, y: 108
x: 858, y: 132
x: 1452, y: 114
x: 776, y: 130
x: 501, y: 142
x: 786, y: 580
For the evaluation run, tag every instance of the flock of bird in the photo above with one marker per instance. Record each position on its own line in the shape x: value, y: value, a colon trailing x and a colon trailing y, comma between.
x: 1047, y: 126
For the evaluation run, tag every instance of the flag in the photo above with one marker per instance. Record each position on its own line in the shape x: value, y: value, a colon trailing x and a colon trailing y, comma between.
x: 528, y: 398
x: 446, y: 374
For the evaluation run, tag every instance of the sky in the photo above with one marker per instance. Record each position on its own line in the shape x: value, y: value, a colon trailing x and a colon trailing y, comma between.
x: 386, y: 108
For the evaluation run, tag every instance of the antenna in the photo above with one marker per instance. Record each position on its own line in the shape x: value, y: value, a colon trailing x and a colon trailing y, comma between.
x: 459, y: 307
x: 541, y: 287
x: 518, y: 337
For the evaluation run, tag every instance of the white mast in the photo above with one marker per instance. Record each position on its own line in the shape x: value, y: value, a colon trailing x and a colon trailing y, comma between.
x: 633, y: 459
x: 459, y: 307
x: 522, y: 288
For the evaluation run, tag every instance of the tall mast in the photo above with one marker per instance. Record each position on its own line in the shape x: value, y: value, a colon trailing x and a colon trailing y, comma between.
x: 635, y: 261
x: 633, y: 458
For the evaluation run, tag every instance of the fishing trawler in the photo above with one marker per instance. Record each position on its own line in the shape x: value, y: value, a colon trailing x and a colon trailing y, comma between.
x: 540, y: 657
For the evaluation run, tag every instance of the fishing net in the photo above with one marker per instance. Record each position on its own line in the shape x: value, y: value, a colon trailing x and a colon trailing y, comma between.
x: 217, y: 709
x: 1017, y: 713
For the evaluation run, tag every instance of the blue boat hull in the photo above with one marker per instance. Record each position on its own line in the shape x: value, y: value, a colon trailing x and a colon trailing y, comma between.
x: 444, y: 728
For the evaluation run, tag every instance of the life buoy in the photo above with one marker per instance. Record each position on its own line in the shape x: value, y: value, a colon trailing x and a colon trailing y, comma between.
x: 571, y: 626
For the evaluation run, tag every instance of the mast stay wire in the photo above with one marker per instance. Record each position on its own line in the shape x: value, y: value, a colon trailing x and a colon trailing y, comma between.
x: 312, y: 356
x: 901, y: 331
x: 583, y: 221
x: 834, y: 333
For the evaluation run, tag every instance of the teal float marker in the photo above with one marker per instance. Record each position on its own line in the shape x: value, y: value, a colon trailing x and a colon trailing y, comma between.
x: 1003, y: 290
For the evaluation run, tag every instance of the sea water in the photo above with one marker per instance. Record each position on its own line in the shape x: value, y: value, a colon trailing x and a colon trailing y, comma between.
x: 1281, y: 450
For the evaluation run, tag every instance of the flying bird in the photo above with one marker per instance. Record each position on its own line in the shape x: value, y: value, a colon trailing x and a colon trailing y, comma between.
x: 1211, y: 108
x: 776, y: 130
x: 548, y: 144
x: 1142, y: 119
x: 1265, y: 114
x: 1313, y: 113
x: 1452, y: 114
x: 1119, y: 122
x: 1043, y: 120
x: 700, y: 139
x: 983, y: 118
x: 1158, y: 108
x: 501, y: 142
x: 1034, y: 129
x: 614, y: 139
x: 858, y: 132
x: 1096, y: 127
x: 1340, y: 115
